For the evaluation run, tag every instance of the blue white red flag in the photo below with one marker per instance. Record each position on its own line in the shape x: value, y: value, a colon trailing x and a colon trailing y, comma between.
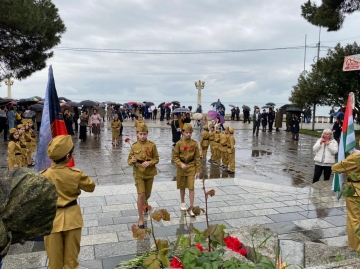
x: 52, y: 124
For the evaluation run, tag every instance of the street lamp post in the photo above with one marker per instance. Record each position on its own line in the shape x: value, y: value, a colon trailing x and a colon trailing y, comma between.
x: 9, y: 82
x: 199, y: 85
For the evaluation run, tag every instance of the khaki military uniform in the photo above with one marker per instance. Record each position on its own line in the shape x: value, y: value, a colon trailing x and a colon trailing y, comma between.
x: 186, y: 152
x: 27, y: 136
x: 144, y: 176
x: 231, y: 152
x: 212, y: 145
x: 115, y: 127
x: 204, y: 143
x: 217, y: 148
x: 33, y: 141
x: 139, y: 122
x: 63, y: 244
x: 23, y: 150
x: 223, y: 149
x: 353, y: 210
x: 15, y: 155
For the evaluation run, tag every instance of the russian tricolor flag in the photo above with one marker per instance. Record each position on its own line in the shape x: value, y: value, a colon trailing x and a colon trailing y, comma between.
x: 52, y: 124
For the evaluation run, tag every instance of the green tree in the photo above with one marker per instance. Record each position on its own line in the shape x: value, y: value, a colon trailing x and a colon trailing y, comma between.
x: 330, y: 14
x: 28, y: 30
x: 327, y: 83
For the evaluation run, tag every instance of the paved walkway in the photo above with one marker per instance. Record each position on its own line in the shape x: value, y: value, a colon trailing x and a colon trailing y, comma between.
x: 271, y: 186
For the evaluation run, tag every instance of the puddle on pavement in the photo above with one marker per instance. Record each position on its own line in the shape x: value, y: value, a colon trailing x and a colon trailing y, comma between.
x: 252, y: 153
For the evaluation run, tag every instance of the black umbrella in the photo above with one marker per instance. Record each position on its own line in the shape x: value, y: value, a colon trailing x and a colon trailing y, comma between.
x: 88, y: 103
x: 181, y: 110
x: 213, y: 104
x: 270, y: 104
x: 267, y: 106
x: 149, y: 104
x: 36, y: 107
x: 176, y: 102
x: 232, y: 106
x: 23, y: 102
x: 295, y: 110
x: 285, y: 107
x: 73, y: 104
x: 161, y: 104
x: 244, y: 107
x: 64, y: 99
x: 5, y: 101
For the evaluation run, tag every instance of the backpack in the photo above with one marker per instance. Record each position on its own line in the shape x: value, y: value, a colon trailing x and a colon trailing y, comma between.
x: 27, y: 207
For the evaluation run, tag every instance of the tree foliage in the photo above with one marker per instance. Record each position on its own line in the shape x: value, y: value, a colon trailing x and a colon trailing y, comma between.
x: 330, y: 14
x: 28, y: 30
x: 327, y: 83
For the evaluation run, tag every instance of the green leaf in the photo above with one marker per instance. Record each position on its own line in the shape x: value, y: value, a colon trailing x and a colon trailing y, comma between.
x: 195, y: 230
x: 206, y: 266
x: 210, y: 230
x: 188, y: 260
x: 348, y: 191
x: 149, y: 260
x: 178, y: 241
x: 185, y: 242
x: 195, y: 251
x: 163, y: 245
x: 358, y: 231
x: 353, y: 176
x: 155, y: 265
x: 219, y: 234
x: 164, y: 259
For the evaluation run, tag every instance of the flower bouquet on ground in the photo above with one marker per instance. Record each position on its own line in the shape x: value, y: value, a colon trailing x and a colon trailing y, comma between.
x: 197, y: 249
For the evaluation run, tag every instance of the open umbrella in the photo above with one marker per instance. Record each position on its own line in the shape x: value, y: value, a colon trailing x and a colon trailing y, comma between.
x: 232, y: 106
x: 213, y: 104
x: 181, y: 110
x: 244, y: 107
x: 197, y: 116
x: 267, y: 106
x: 284, y: 107
x: 161, y: 104
x: 27, y: 101
x: 64, y: 99
x: 5, y: 101
x: 270, y: 104
x: 295, y: 110
x: 339, y: 115
x: 131, y: 103
x: 149, y: 104
x: 87, y: 103
x: 36, y: 107
x: 74, y: 104
x: 167, y: 104
x: 176, y: 103
x: 213, y: 115
x: 38, y: 97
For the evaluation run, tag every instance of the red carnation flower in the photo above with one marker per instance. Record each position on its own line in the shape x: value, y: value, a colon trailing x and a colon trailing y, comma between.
x: 199, y: 247
x: 127, y: 139
x: 176, y: 263
x: 243, y: 252
x: 185, y: 148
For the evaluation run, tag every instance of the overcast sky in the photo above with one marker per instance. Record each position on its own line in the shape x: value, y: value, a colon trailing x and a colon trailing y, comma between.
x: 236, y: 78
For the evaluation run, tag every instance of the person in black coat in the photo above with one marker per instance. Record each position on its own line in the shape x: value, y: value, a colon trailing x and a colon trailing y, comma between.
x: 162, y: 113
x: 271, y: 119
x: 237, y: 113
x: 175, y: 129
x: 294, y: 125
x: 337, y: 127
x: 246, y: 116
x: 232, y: 114
x: 68, y: 119
x: 264, y: 116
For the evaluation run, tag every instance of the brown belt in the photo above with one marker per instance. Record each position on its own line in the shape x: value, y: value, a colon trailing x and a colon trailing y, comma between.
x: 189, y: 161
x: 69, y: 204
x: 140, y: 161
x: 17, y: 153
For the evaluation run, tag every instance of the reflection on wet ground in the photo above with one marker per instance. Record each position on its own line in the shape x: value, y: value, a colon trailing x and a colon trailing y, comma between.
x: 270, y: 157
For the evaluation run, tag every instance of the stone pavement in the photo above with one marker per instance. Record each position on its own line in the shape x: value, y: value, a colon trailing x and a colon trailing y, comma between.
x: 271, y: 186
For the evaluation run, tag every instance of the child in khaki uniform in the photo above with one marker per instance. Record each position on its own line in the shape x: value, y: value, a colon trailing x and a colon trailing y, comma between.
x: 14, y: 149
x: 204, y: 142
x: 212, y: 143
x: 63, y: 244
x: 143, y: 156
x: 231, y: 151
x: 186, y: 156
